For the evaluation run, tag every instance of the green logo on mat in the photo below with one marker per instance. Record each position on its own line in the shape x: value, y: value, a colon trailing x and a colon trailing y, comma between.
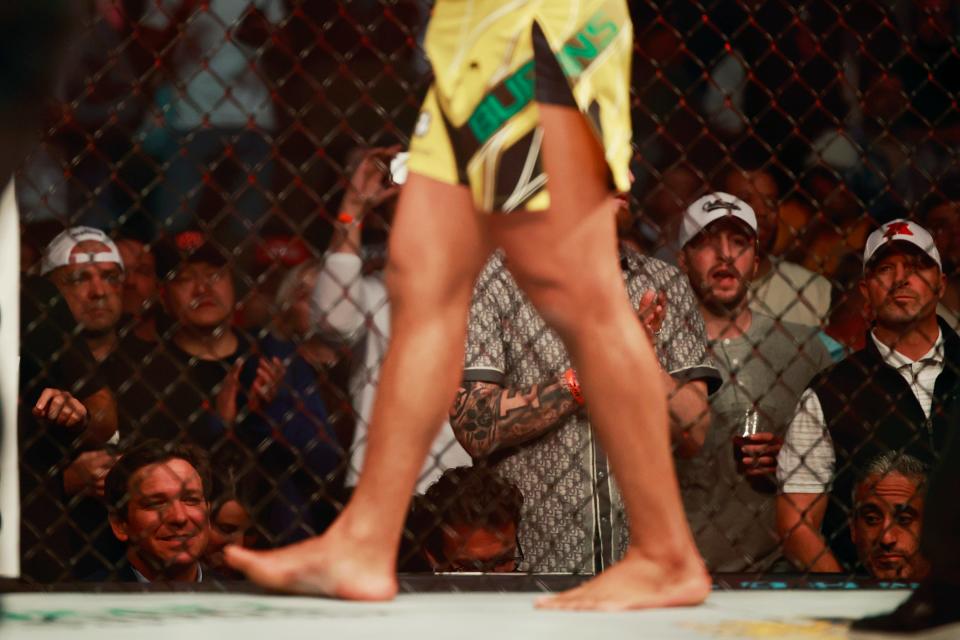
x: 149, y: 613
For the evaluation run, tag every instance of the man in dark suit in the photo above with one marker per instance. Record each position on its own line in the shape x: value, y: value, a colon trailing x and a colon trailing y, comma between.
x: 159, y: 499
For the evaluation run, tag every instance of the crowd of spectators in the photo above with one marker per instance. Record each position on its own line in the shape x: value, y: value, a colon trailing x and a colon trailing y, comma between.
x: 202, y: 337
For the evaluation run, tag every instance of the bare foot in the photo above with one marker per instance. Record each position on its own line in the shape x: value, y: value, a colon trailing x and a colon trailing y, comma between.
x: 636, y: 583
x: 329, y: 565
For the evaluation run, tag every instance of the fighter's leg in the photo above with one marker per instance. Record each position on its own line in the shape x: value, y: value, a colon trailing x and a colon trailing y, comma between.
x: 437, y: 247
x: 566, y: 261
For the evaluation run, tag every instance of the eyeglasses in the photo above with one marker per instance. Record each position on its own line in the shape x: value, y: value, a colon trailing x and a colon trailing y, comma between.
x: 504, y: 563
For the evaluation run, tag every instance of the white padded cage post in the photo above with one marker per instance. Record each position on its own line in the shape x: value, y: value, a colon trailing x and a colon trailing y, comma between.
x: 9, y: 370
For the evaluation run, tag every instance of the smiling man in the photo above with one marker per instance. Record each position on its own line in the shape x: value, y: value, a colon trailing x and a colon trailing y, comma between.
x: 893, y: 395
x: 158, y: 499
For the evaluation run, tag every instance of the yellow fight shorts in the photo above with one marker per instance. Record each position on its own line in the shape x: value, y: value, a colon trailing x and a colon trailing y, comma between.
x: 479, y: 124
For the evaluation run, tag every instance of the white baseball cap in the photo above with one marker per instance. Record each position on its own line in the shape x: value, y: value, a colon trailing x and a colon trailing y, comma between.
x: 710, y: 208
x: 59, y: 253
x: 900, y: 230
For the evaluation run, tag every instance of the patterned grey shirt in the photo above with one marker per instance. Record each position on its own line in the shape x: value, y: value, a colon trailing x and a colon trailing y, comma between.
x: 573, y: 518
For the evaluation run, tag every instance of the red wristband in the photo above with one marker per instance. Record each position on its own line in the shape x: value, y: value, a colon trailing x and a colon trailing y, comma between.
x: 569, y: 379
x: 345, y: 218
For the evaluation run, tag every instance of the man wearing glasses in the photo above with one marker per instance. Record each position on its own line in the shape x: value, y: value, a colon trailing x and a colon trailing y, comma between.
x: 468, y: 521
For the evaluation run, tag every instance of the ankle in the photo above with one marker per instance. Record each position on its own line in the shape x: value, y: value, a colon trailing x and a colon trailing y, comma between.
x: 671, y: 559
x: 360, y: 529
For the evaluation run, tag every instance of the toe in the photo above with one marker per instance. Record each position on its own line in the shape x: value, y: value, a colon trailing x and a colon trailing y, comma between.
x: 556, y: 601
x: 260, y: 567
x: 546, y: 602
x: 238, y: 557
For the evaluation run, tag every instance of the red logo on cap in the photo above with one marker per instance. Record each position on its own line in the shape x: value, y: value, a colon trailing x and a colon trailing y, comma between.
x: 189, y: 240
x: 897, y: 229
x: 288, y: 250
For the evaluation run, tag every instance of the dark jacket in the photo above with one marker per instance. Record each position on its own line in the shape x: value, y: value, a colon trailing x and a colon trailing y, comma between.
x: 870, y: 410
x: 123, y: 572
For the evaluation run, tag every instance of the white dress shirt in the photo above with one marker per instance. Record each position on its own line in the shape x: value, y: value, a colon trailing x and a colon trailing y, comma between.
x: 807, y: 461
x: 352, y: 307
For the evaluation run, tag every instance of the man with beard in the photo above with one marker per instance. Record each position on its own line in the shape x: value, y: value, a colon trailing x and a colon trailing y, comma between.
x: 893, y: 395
x: 781, y: 289
x: 728, y: 488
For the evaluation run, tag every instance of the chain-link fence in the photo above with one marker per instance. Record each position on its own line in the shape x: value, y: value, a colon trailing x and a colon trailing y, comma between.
x: 199, y: 360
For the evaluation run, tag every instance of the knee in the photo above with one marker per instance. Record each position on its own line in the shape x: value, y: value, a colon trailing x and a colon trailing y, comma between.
x: 425, y: 282
x: 406, y: 282
x: 572, y: 302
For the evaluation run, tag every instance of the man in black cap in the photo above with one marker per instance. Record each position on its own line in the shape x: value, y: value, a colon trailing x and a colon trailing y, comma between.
x: 211, y: 385
x: 189, y: 390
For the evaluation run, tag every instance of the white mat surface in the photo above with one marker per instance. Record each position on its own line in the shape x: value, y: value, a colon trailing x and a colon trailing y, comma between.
x: 784, y: 615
